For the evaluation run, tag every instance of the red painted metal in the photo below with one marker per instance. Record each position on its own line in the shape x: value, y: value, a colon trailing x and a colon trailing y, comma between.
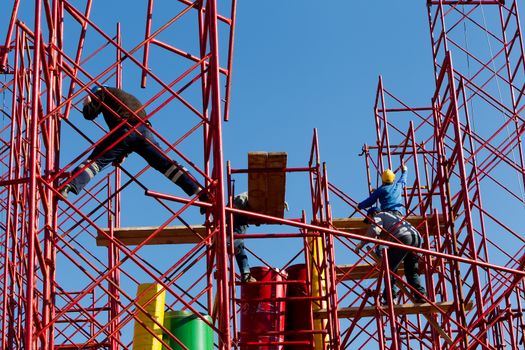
x: 263, y: 310
x: 298, y: 309
x: 459, y: 165
x: 40, y: 311
x: 32, y: 200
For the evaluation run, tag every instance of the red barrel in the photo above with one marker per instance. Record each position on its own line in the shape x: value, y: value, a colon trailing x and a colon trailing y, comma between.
x: 298, y: 312
x: 262, y: 315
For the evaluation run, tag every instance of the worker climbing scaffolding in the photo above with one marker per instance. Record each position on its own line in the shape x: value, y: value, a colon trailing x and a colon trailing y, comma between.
x: 388, y: 223
x: 130, y: 131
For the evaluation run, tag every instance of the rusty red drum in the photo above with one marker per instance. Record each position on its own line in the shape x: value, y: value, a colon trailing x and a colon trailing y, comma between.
x: 263, y: 310
x: 298, y: 322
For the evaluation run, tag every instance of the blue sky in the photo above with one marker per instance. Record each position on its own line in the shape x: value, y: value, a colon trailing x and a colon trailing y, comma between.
x: 298, y: 65
x: 301, y: 65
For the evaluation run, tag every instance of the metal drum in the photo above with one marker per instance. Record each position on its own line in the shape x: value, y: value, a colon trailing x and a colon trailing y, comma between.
x: 189, y: 329
x: 298, y: 312
x: 263, y: 310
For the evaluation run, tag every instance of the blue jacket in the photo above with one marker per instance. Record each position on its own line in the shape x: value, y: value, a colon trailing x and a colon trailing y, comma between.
x: 389, y: 196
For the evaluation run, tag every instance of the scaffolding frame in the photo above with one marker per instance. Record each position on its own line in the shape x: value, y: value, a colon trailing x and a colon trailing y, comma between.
x: 474, y: 282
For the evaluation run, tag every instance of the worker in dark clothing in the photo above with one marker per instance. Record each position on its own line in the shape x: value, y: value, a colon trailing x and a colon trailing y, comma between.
x: 389, y: 193
x: 399, y: 231
x: 240, y: 226
x: 122, y: 111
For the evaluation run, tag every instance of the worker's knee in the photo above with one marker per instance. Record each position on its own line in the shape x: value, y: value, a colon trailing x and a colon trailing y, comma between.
x: 238, y: 246
x: 90, y: 167
x: 174, y: 172
x: 179, y: 176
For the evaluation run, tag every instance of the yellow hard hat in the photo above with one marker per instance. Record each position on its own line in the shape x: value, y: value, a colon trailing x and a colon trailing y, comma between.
x: 388, y: 176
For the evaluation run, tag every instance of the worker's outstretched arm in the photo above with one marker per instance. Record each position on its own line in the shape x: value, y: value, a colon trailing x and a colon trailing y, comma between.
x: 403, y: 178
x: 370, y: 200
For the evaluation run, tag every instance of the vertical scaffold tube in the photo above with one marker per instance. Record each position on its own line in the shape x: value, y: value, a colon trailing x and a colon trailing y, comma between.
x: 33, y: 191
x: 219, y: 214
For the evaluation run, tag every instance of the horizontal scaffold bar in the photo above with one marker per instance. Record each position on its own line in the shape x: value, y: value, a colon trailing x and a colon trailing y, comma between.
x: 401, y: 309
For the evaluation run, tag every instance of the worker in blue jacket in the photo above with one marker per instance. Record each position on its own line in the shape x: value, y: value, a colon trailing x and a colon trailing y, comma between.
x: 389, y: 193
x: 121, y: 112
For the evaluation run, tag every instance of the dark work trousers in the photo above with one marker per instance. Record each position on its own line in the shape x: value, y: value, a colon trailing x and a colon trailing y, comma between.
x: 410, y: 261
x: 136, y: 141
x: 239, y: 251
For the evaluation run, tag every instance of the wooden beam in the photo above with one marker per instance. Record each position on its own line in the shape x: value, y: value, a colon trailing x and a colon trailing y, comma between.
x: 356, y: 225
x: 430, y: 319
x: 402, y: 309
x: 169, y: 235
x: 359, y: 272
x: 266, y: 189
x: 276, y: 184
x: 257, y: 182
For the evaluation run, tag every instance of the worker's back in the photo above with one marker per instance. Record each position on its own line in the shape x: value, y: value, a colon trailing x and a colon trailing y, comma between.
x: 390, y: 195
x: 122, y: 104
x: 394, y: 225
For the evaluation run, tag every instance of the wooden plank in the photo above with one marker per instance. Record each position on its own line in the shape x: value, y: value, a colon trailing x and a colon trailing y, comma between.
x: 430, y: 319
x: 266, y: 190
x: 359, y: 272
x: 402, y: 309
x: 169, y: 235
x: 276, y: 184
x: 257, y: 182
x: 357, y: 226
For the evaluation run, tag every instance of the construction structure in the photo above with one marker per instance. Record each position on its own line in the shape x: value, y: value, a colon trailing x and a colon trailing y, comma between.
x: 74, y: 277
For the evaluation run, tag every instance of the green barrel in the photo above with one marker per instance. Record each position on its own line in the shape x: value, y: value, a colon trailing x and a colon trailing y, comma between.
x: 189, y: 329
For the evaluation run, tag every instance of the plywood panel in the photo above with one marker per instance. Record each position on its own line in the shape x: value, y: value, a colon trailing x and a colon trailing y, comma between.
x: 369, y: 271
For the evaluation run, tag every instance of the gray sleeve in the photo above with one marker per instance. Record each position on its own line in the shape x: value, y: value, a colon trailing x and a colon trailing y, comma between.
x: 373, y: 229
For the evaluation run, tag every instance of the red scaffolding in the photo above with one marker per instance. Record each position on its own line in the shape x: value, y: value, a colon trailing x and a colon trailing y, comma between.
x: 71, y: 270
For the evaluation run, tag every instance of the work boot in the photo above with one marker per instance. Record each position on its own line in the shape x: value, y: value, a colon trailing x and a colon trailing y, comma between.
x: 247, y: 278
x: 203, y: 198
x: 394, y: 298
x: 64, y: 192
x: 419, y: 299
